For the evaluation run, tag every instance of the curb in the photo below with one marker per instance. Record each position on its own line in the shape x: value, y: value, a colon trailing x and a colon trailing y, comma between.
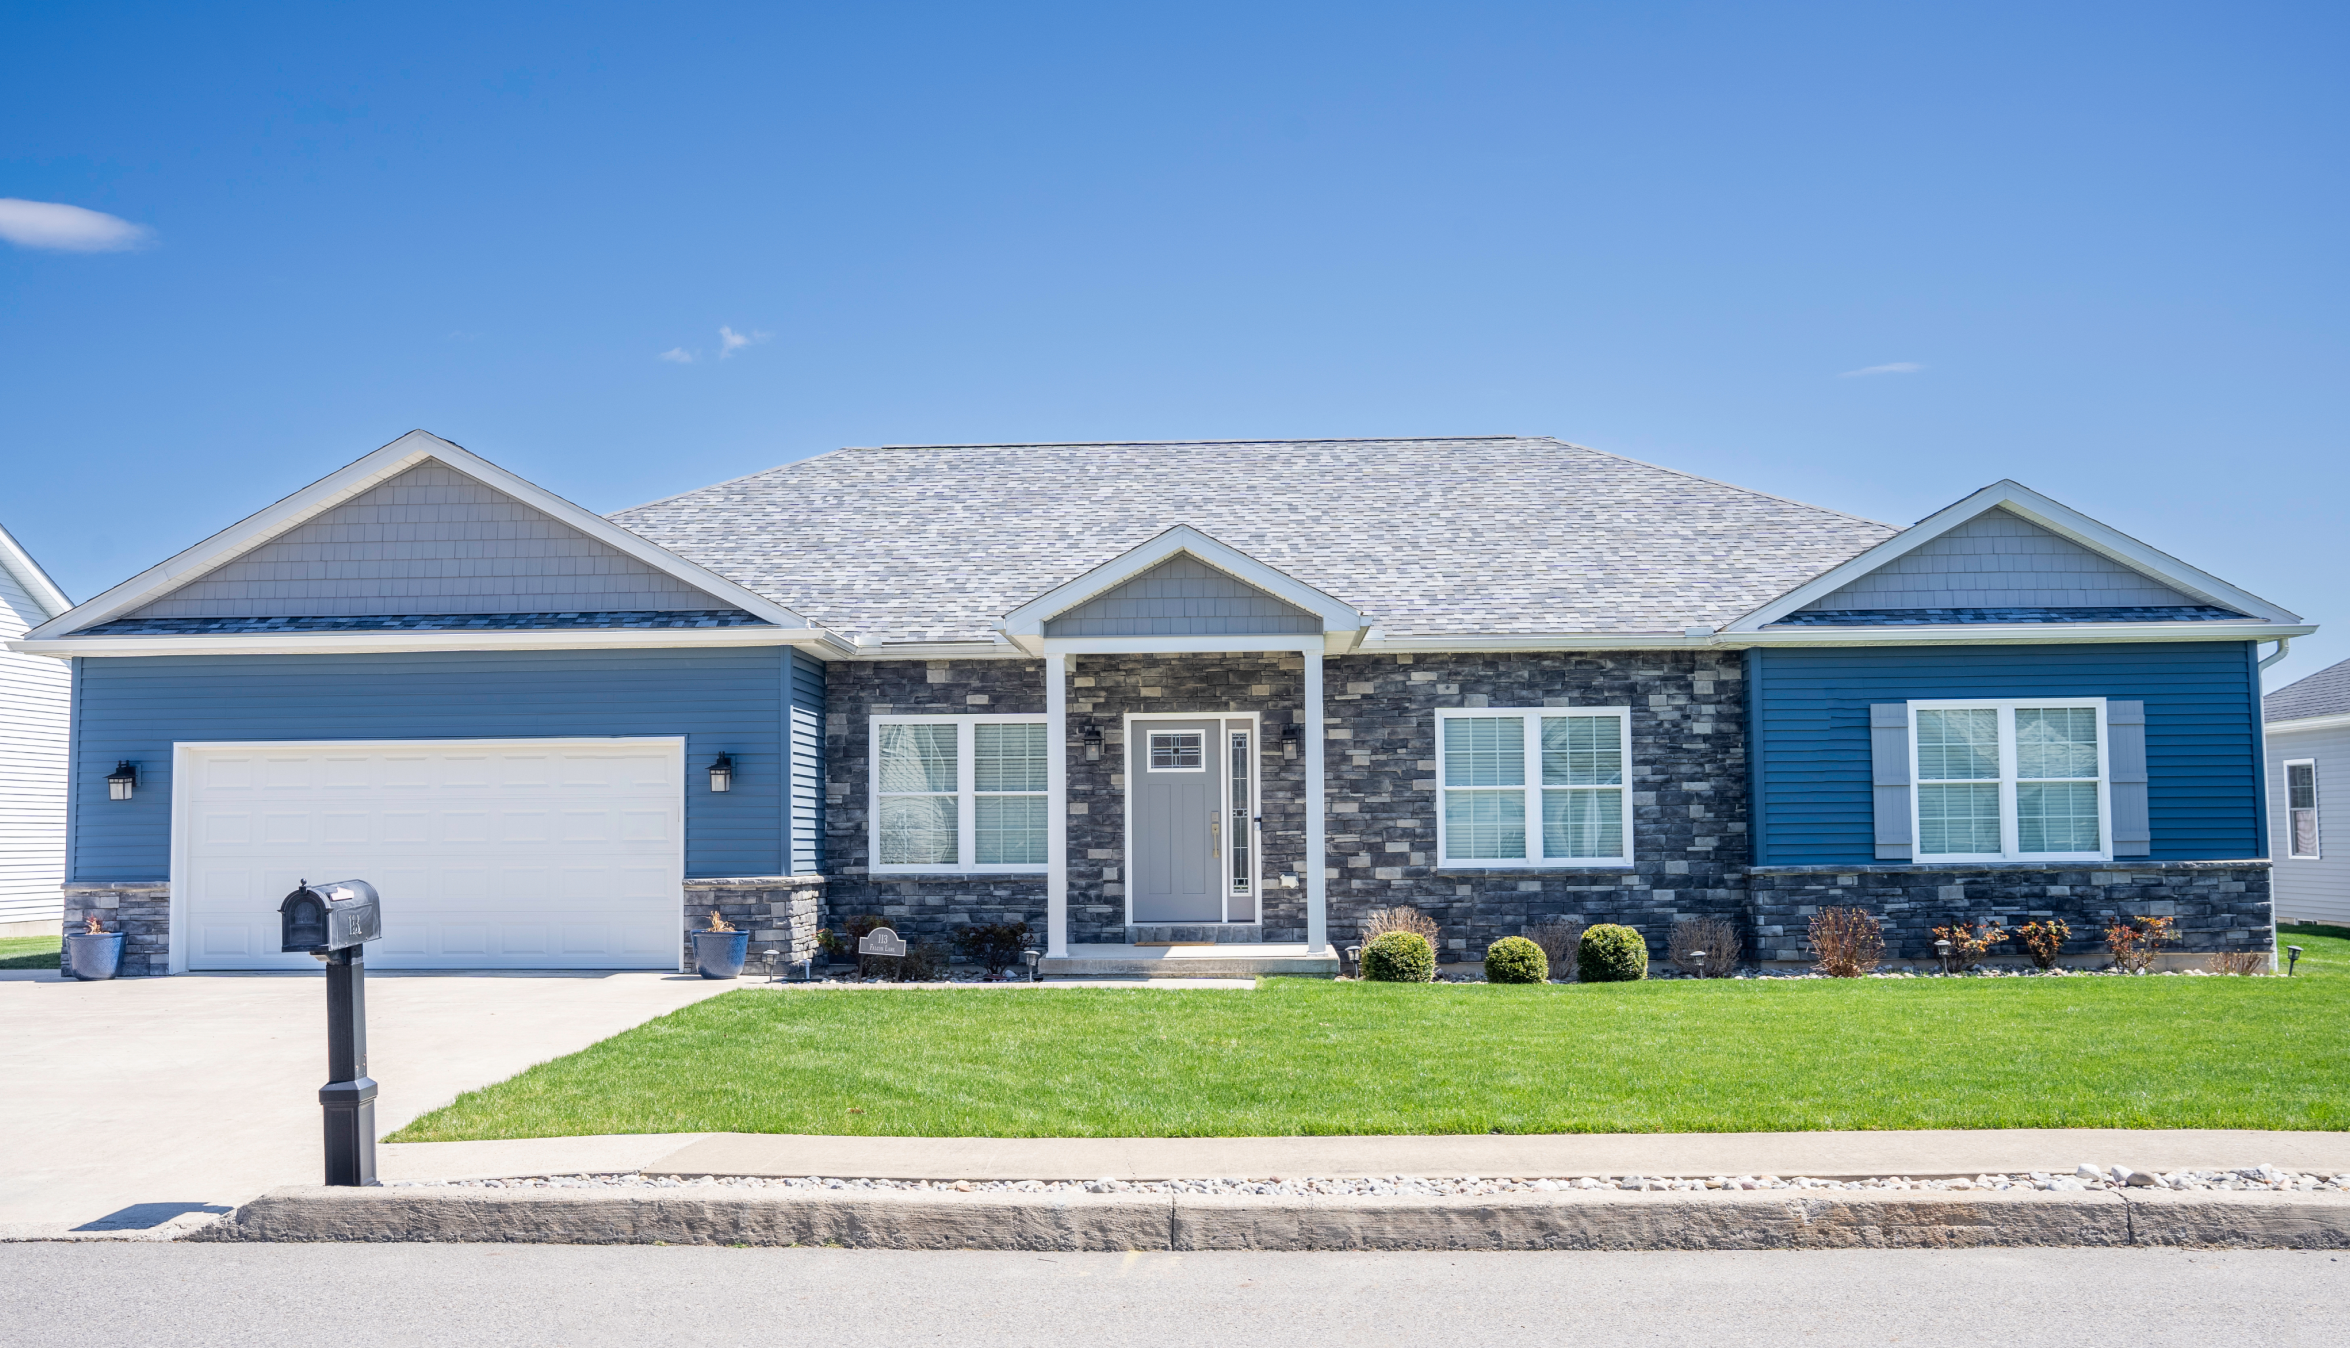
x: 1114, y: 1222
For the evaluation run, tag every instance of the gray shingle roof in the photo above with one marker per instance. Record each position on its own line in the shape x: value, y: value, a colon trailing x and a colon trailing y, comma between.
x: 2325, y: 693
x: 1434, y: 537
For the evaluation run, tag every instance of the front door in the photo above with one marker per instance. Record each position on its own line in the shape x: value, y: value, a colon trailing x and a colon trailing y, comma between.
x: 1191, y: 820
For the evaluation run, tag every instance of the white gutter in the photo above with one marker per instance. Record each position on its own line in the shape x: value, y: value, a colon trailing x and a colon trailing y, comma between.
x: 815, y: 641
x: 2339, y: 720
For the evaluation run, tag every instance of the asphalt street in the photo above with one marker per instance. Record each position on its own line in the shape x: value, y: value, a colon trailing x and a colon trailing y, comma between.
x: 580, y: 1296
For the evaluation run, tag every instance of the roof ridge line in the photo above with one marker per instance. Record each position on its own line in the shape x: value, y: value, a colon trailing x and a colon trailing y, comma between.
x: 1250, y: 440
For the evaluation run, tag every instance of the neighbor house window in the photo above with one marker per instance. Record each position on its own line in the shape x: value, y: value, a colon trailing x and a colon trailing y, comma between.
x: 2301, y: 809
x: 2002, y: 780
x: 959, y: 793
x: 1534, y: 788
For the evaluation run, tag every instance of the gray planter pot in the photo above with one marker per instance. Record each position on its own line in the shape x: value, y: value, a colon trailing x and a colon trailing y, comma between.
x: 720, y: 954
x: 93, y: 958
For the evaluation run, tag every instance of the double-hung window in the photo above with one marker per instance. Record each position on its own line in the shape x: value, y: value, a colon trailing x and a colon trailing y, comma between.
x: 2000, y: 781
x: 959, y: 793
x: 2301, y: 809
x: 1534, y: 788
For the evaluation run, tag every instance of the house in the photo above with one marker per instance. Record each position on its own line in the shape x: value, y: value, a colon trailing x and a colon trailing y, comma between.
x: 2309, y: 782
x: 1177, y: 706
x: 32, y: 752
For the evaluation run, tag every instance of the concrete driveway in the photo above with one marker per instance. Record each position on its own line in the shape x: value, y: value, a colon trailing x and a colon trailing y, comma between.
x: 131, y: 1107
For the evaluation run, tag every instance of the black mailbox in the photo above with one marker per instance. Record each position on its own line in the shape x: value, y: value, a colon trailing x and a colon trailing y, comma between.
x: 335, y: 915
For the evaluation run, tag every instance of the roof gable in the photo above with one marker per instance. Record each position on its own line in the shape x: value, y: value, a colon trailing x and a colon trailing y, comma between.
x: 418, y: 527
x: 42, y: 599
x: 1183, y: 596
x: 2007, y: 547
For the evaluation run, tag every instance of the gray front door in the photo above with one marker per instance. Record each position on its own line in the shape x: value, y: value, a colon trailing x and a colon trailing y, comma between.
x: 1175, y: 803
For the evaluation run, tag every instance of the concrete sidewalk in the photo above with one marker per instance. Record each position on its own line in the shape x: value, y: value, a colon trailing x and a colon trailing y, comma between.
x: 1853, y: 1155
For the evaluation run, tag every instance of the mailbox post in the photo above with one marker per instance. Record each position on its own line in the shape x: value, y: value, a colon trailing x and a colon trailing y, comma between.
x: 334, y: 921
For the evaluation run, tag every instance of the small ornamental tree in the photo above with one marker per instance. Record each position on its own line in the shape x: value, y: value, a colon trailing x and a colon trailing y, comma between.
x: 1400, y: 957
x: 2044, y: 941
x: 1609, y: 953
x: 1514, y: 959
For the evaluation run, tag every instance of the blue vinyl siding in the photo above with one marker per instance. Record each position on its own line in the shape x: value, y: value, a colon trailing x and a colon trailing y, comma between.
x: 1810, y: 712
x: 805, y: 803
x: 722, y: 700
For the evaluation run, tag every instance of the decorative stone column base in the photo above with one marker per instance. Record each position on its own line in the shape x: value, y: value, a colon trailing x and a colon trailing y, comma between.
x: 779, y: 911
x: 139, y: 909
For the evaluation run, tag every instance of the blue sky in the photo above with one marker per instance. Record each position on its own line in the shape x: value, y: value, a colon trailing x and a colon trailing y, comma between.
x: 2097, y: 248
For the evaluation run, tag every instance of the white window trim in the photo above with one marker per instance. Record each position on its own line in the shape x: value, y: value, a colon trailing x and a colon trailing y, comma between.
x: 2316, y: 807
x: 1534, y: 860
x: 966, y: 811
x: 2008, y: 840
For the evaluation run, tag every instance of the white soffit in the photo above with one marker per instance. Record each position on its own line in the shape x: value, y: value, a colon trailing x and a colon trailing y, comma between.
x: 2058, y: 519
x: 341, y: 485
x: 1025, y: 624
x: 29, y: 574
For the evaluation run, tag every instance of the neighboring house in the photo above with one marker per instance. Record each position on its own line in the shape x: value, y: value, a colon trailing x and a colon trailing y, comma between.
x: 34, y: 702
x: 1144, y: 695
x: 2309, y: 795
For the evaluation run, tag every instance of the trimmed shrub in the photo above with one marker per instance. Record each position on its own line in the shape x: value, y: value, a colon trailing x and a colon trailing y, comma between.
x: 1609, y: 953
x: 1846, y: 942
x: 1514, y: 959
x: 1400, y: 957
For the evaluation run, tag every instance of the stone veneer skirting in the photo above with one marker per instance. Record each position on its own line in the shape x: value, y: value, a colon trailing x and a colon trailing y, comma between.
x: 140, y: 909
x: 779, y: 911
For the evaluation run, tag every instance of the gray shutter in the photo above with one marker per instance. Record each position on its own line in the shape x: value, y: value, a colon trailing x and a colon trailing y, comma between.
x: 1889, y: 778
x: 2125, y: 759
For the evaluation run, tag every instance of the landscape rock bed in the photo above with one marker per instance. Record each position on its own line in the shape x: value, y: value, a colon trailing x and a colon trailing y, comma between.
x: 2086, y: 1177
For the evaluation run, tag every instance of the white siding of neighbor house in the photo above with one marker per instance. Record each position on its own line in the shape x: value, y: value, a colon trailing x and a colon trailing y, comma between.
x: 431, y: 540
x: 2312, y: 891
x: 34, y: 699
x: 2002, y: 560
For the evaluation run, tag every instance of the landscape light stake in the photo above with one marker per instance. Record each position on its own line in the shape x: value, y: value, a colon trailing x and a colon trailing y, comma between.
x: 1699, y: 956
x: 1942, y: 952
x: 2292, y: 957
x: 1032, y: 957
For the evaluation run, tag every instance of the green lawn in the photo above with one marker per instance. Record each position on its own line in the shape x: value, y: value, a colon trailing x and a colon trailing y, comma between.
x: 2325, y: 951
x: 1304, y: 1057
x: 28, y: 952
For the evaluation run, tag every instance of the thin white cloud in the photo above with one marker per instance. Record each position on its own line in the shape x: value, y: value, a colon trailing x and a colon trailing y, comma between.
x: 66, y: 229
x: 1897, y: 367
x: 732, y: 341
x: 678, y: 354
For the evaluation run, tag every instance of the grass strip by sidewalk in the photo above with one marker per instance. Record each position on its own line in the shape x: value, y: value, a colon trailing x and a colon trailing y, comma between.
x: 28, y: 952
x: 1302, y: 1057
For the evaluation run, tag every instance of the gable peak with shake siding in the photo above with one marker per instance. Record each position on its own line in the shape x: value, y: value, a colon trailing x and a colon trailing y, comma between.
x: 2008, y: 555
x: 418, y: 536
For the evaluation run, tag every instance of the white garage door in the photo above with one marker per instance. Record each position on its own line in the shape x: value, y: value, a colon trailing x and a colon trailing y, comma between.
x: 489, y: 854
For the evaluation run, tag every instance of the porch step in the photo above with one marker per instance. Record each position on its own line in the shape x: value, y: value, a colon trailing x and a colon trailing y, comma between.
x: 1185, y: 933
x: 1229, y: 959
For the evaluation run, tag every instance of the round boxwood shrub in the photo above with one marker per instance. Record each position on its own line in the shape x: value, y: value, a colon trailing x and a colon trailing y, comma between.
x: 1400, y: 957
x: 1514, y: 959
x: 1611, y: 954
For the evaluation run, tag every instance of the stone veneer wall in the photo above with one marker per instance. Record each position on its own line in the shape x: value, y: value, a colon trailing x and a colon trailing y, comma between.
x: 1105, y: 689
x: 1690, y: 844
x: 2219, y: 905
x: 139, y: 910
x: 779, y: 911
x: 916, y: 906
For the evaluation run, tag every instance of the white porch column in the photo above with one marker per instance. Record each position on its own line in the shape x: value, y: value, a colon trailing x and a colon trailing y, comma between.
x: 1056, y: 826
x: 1317, y: 809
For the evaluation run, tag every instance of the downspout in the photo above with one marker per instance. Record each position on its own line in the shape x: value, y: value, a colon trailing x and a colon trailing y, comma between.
x: 2284, y: 644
